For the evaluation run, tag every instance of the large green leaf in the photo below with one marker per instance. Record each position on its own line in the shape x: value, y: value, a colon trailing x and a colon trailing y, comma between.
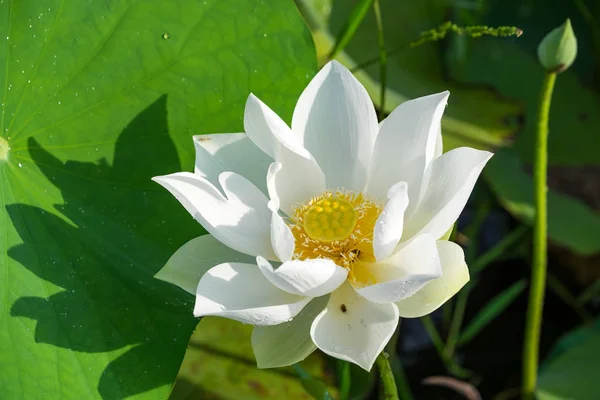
x: 475, y: 116
x: 571, y: 370
x: 97, y: 97
x: 220, y: 365
x: 572, y: 339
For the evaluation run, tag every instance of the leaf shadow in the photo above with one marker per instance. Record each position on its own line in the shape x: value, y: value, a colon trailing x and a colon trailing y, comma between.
x: 102, y: 247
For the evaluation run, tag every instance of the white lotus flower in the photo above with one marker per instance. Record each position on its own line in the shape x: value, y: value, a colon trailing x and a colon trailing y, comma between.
x: 323, y: 235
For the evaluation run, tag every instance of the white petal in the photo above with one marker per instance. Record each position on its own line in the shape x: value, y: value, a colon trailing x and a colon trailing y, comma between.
x: 288, y: 343
x: 282, y: 239
x: 272, y: 172
x: 353, y: 329
x: 300, y: 177
x: 233, y: 152
x: 450, y: 182
x: 438, y: 291
x: 312, y: 278
x: 405, y: 272
x: 268, y: 131
x: 187, y: 265
x: 406, y: 144
x: 240, y: 219
x: 241, y: 292
x: 439, y: 144
x: 390, y: 223
x: 294, y: 181
x: 336, y: 120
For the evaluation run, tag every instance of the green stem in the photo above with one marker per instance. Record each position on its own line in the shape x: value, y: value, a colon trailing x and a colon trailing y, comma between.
x: 561, y: 290
x: 457, y: 319
x: 476, y: 267
x: 440, y: 33
x: 589, y: 293
x: 382, y: 59
x: 390, y: 392
x: 462, y: 297
x: 397, y: 369
x: 447, y: 309
x: 538, y: 270
x: 498, y: 250
x: 438, y: 343
x: 392, y: 345
x: 358, y: 14
x: 345, y: 379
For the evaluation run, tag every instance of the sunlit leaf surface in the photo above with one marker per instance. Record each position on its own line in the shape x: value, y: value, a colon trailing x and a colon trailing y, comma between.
x: 97, y: 97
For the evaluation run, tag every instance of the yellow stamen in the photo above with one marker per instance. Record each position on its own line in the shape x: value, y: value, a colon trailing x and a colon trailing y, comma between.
x: 338, y: 226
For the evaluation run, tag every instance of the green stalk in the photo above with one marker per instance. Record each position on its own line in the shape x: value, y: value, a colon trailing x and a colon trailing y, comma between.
x: 438, y: 343
x: 562, y: 291
x: 476, y: 267
x: 461, y: 301
x: 358, y: 14
x: 390, y: 392
x: 345, y: 379
x: 397, y: 369
x: 498, y: 250
x: 588, y: 294
x: 439, y: 33
x: 457, y: 319
x: 382, y: 59
x: 538, y: 270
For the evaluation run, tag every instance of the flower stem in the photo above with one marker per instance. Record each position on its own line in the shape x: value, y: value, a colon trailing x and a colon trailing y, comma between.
x: 461, y: 300
x: 344, y: 379
x: 457, y: 319
x: 439, y: 33
x: 538, y: 268
x: 356, y: 17
x: 402, y: 383
x: 390, y: 392
x: 476, y: 267
x: 499, y: 250
x: 438, y: 343
x: 382, y: 59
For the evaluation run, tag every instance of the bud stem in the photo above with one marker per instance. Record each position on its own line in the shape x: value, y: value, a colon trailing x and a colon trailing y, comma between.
x: 539, y: 264
x: 390, y: 391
